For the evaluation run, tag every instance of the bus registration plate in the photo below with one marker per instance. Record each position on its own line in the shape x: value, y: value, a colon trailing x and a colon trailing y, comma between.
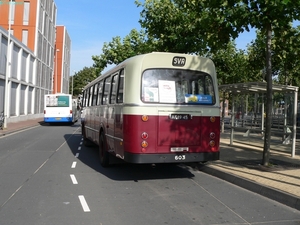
x: 180, y: 116
x: 180, y: 149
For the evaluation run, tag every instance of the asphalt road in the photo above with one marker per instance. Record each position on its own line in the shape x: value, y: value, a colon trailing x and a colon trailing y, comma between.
x: 48, y: 177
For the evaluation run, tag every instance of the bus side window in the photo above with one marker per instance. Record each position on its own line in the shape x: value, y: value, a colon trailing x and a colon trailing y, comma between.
x: 209, y: 88
x: 200, y: 86
x: 95, y: 94
x: 114, y: 87
x: 106, y: 90
x: 121, y: 86
x: 100, y: 91
x: 90, y: 96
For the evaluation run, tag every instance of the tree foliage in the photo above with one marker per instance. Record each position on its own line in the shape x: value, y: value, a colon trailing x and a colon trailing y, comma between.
x: 81, y: 79
x: 285, y: 69
x: 231, y: 65
x: 118, y: 50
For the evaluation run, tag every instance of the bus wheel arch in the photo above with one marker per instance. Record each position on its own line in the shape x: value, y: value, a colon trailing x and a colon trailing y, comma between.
x: 103, y: 153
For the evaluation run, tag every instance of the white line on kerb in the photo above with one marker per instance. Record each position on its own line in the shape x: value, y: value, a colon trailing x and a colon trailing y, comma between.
x: 73, y: 165
x: 79, y: 148
x: 84, y: 204
x: 73, y: 178
x: 77, y: 154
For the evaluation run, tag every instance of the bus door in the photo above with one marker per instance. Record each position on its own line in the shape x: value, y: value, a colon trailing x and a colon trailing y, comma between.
x: 109, y: 112
x: 93, y: 112
x: 88, y: 114
x: 118, y: 111
x: 114, y: 118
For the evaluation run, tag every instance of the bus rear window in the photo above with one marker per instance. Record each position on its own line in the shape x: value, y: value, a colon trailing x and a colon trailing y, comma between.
x: 177, y: 86
x: 57, y: 101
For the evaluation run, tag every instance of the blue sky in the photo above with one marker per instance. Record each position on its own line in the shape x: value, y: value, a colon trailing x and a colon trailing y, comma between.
x: 91, y: 23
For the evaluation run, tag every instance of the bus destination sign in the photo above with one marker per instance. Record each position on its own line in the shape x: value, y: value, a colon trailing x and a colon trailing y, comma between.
x: 178, y: 61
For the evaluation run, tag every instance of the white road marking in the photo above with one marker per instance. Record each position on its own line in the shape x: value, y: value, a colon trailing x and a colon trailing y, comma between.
x: 73, y: 178
x: 84, y: 204
x: 80, y: 143
x: 73, y: 165
x: 79, y: 148
x: 77, y: 155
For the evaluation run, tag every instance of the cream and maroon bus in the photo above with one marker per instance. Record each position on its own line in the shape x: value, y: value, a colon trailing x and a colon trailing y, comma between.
x: 154, y: 108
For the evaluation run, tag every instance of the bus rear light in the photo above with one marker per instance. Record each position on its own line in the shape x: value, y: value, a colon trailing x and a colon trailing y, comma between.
x: 44, y: 111
x: 212, y: 135
x: 144, y: 144
x: 71, y: 111
x: 145, y: 118
x: 144, y: 150
x: 145, y: 135
x: 212, y: 119
x: 212, y: 143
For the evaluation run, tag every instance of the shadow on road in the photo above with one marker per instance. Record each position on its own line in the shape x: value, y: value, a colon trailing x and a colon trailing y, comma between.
x: 121, y: 171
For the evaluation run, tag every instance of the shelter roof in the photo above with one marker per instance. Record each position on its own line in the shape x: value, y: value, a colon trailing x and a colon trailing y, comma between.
x: 256, y: 87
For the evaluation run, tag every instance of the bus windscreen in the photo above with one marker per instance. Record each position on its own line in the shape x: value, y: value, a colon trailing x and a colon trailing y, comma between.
x: 177, y: 86
x: 57, y: 101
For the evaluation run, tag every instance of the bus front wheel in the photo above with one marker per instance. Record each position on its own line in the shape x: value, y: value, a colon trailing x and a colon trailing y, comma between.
x: 103, y: 154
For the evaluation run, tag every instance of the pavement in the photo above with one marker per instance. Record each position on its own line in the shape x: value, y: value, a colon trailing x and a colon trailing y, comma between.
x: 240, y: 164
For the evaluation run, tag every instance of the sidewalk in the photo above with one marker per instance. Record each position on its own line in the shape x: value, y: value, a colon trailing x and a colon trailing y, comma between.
x: 240, y: 165
x: 17, y: 126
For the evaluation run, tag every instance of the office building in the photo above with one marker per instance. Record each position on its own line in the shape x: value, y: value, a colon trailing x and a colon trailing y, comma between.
x: 32, y: 31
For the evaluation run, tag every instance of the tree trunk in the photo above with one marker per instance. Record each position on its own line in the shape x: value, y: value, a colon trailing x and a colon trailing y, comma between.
x: 269, y: 97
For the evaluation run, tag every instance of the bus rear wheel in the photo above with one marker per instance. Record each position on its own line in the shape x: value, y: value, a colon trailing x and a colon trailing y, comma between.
x: 103, y: 154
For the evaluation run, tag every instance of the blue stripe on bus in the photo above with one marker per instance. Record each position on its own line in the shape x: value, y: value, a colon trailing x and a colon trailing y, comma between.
x: 57, y: 119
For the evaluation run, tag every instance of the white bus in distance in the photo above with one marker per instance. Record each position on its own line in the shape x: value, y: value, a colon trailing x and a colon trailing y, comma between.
x: 60, y: 108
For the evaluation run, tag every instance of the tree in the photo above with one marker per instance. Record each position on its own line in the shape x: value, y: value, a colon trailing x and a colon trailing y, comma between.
x: 285, y: 69
x: 81, y: 79
x: 118, y: 50
x: 172, y: 26
x: 270, y: 17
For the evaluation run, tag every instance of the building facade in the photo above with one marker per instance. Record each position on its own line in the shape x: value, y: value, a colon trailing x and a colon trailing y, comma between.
x: 30, y: 47
x: 62, y: 67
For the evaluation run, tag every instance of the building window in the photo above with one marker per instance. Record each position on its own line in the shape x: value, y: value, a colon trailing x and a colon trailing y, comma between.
x: 26, y: 13
x: 25, y: 37
x: 12, y: 13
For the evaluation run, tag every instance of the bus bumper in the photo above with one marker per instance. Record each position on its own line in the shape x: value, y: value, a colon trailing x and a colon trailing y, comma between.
x: 57, y: 119
x: 171, y: 158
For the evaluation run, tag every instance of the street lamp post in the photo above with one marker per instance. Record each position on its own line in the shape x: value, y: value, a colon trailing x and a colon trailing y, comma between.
x: 7, y: 67
x: 73, y: 82
x: 56, y: 75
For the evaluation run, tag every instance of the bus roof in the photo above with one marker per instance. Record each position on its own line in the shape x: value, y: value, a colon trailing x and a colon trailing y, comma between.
x: 161, y: 60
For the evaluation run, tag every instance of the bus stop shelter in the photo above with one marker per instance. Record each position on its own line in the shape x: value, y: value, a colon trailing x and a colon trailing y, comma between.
x: 247, y: 114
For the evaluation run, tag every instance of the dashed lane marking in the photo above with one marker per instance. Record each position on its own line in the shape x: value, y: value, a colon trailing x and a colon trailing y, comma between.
x: 73, y: 178
x: 84, y: 203
x: 73, y: 165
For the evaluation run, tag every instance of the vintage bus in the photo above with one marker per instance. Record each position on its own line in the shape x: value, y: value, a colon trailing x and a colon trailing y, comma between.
x: 154, y: 108
x: 60, y: 108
